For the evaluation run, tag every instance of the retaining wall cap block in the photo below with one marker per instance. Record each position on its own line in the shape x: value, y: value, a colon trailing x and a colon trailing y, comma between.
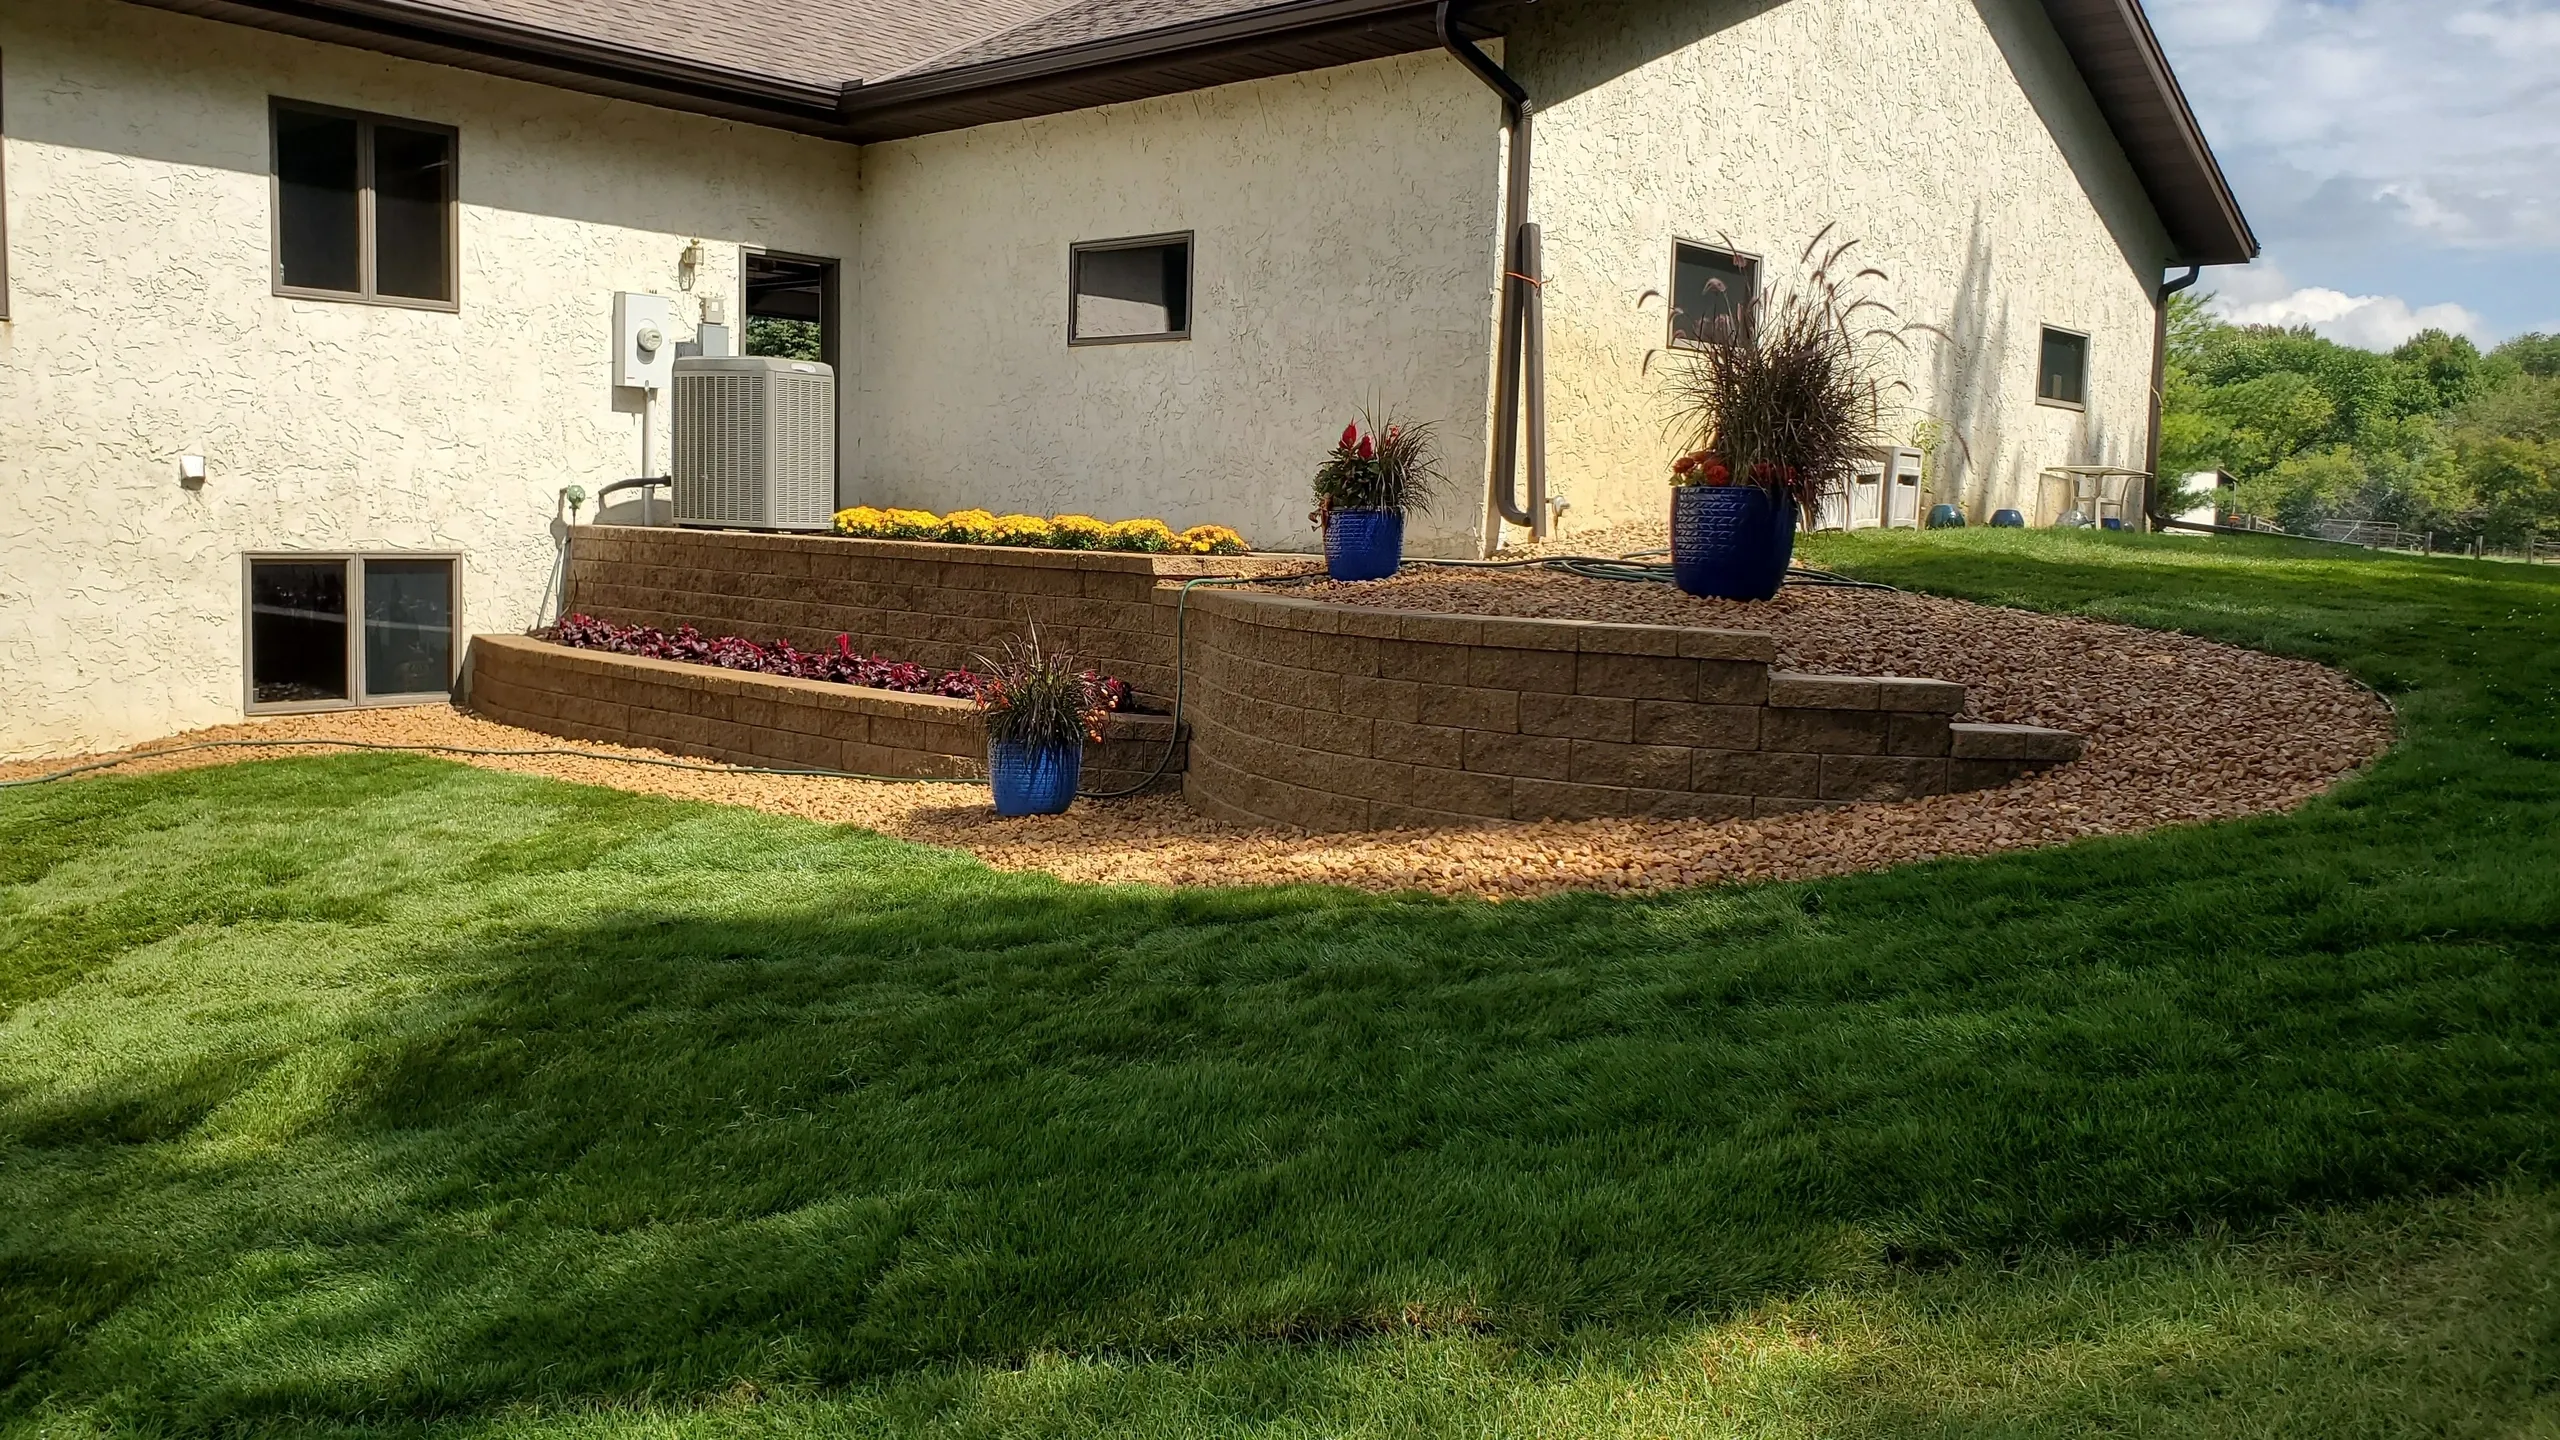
x: 1974, y: 741
x: 1913, y: 693
x: 1792, y: 691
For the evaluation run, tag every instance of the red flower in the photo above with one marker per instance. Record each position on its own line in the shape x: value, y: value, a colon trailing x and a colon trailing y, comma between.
x: 1718, y: 472
x: 1684, y: 464
x: 1367, y: 450
x: 1350, y: 435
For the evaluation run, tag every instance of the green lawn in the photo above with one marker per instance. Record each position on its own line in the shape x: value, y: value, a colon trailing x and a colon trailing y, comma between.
x: 381, y: 1094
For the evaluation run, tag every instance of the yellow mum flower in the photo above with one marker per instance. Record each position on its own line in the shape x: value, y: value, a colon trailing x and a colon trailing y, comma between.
x: 969, y: 527
x: 1150, y: 535
x: 861, y: 520
x: 1020, y: 530
x: 1077, y: 532
x: 911, y: 525
x: 1213, y: 540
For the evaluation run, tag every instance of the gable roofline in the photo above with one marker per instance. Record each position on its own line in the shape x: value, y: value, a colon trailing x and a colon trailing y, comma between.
x: 2110, y: 42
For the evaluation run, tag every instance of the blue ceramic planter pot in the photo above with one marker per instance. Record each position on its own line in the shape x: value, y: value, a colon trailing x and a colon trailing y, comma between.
x: 2008, y: 520
x: 1363, y: 544
x: 1031, y: 781
x: 1730, y: 542
x: 1945, y: 517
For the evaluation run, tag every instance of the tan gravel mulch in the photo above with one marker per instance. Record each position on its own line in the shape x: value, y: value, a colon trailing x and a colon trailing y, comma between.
x: 2180, y: 730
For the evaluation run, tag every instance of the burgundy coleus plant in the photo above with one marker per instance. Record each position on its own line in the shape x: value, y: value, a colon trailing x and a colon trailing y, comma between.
x: 843, y: 665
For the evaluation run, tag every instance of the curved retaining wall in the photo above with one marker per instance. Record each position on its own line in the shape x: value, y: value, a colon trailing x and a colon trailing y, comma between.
x: 743, y: 718
x: 1337, y: 717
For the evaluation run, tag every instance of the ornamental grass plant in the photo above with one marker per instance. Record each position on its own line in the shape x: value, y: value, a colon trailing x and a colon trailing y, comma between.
x: 1038, y: 697
x: 1788, y: 393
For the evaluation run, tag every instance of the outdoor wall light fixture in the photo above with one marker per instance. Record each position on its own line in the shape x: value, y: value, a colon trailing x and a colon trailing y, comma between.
x: 191, y: 471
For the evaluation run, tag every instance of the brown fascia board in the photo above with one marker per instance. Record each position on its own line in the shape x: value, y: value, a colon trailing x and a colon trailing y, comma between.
x: 1272, y: 40
x: 2120, y: 59
x: 545, y: 57
x: 2110, y: 41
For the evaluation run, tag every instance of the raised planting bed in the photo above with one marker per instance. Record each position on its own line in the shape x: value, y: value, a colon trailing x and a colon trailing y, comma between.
x: 744, y: 718
x: 936, y: 604
x: 842, y: 665
x: 1345, y: 717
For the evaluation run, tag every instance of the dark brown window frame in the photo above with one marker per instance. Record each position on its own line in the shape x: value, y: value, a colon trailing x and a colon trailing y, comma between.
x: 365, y: 239
x: 1190, y: 290
x: 1673, y: 339
x: 2086, y: 346
x: 357, y: 697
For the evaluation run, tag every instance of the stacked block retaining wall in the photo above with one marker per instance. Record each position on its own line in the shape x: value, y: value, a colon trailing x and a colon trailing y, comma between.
x: 1336, y: 717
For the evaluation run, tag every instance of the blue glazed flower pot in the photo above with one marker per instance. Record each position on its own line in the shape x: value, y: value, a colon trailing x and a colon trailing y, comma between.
x: 1730, y: 542
x: 1030, y: 781
x: 2008, y: 520
x: 1945, y: 517
x: 1363, y: 544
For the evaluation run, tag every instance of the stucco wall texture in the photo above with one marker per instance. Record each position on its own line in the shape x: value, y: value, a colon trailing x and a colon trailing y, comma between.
x: 1953, y: 139
x: 143, y: 327
x: 1345, y: 228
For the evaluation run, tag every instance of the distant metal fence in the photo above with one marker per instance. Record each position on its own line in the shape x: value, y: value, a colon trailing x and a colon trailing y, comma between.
x: 2387, y: 535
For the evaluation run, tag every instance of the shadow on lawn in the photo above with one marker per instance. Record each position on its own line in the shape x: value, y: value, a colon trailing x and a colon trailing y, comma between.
x: 659, y: 1153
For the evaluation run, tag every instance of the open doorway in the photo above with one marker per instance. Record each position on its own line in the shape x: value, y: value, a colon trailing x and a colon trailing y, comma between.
x: 791, y: 309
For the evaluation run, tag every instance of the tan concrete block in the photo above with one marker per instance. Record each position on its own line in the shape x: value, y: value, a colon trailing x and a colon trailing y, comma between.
x: 1468, y: 708
x: 1579, y: 717
x: 1732, y: 682
x: 1881, y: 777
x: 1686, y: 805
x: 1729, y: 645
x: 1607, y: 638
x: 1647, y: 767
x: 1370, y: 621
x: 1718, y: 727
x: 1463, y: 792
x: 1754, y: 773
x: 1428, y: 662
x: 1823, y: 692
x: 1565, y: 800
x: 1523, y: 634
x: 1433, y: 745
x: 1908, y: 734
x: 1380, y: 699
x: 1546, y: 757
x: 1975, y: 741
x: 1549, y: 670
x: 1440, y: 629
x: 1935, y: 697
x: 1636, y: 677
x: 1828, y: 732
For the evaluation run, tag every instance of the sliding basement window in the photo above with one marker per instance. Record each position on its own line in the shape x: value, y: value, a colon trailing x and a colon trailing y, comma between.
x: 329, y: 631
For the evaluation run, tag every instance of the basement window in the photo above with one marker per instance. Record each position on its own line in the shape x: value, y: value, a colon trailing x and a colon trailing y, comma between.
x: 1124, y: 290
x: 365, y: 208
x: 1708, y: 285
x: 329, y: 631
x: 2062, y: 372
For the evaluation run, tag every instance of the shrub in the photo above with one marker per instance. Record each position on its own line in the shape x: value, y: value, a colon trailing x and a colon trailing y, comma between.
x: 1039, y: 698
x: 1149, y: 536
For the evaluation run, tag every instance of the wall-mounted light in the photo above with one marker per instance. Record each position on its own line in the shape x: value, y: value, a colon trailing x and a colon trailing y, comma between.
x: 688, y: 263
x: 191, y: 471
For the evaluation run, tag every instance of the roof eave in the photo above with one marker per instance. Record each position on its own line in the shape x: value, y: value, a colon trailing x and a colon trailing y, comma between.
x: 2119, y: 57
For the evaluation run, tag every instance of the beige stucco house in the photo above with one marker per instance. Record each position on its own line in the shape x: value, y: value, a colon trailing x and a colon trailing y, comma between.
x: 314, y: 295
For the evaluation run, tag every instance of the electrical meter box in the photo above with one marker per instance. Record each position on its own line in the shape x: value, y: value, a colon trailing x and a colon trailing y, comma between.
x: 644, y: 341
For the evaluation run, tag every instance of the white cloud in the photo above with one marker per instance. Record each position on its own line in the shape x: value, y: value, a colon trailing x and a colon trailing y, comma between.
x: 2435, y: 122
x: 2262, y: 295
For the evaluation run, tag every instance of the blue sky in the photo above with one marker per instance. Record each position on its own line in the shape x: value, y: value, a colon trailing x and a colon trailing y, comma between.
x: 2400, y: 159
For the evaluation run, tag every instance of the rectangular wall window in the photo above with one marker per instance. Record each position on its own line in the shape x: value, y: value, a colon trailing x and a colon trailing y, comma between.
x: 365, y: 207
x: 1137, y: 289
x: 336, y: 630
x: 2062, y: 374
x: 1707, y: 286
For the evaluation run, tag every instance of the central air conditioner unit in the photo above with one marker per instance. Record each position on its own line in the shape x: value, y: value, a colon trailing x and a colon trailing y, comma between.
x: 755, y: 442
